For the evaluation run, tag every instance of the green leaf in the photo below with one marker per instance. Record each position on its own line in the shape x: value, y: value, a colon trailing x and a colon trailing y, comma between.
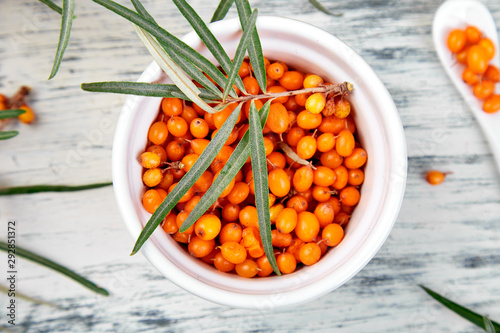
x: 174, y: 45
x: 22, y: 296
x: 255, y: 50
x: 23, y: 253
x: 208, y: 38
x: 259, y: 171
x: 172, y: 70
x: 144, y: 89
x: 182, y: 62
x: 4, y: 114
x: 221, y: 10
x: 240, y: 53
x: 8, y: 134
x: 488, y: 325
x: 319, y: 6
x: 235, y: 162
x: 52, y: 6
x: 189, y: 178
x: 68, y: 8
x: 470, y: 315
x: 49, y: 188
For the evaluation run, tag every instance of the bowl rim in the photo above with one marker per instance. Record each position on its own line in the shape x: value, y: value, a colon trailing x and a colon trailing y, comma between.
x: 300, y: 295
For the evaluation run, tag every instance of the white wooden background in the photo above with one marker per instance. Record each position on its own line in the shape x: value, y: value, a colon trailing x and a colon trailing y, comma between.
x: 446, y: 237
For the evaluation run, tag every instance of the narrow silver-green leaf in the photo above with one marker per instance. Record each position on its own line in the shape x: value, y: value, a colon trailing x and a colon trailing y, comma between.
x: 172, y: 70
x: 255, y: 49
x: 68, y: 8
x: 174, y: 45
x: 488, y: 325
x: 189, y: 178
x: 50, y: 188
x: 23, y: 253
x: 144, y: 89
x: 52, y: 6
x: 470, y: 315
x: 8, y: 134
x: 182, y: 62
x: 259, y: 172
x: 235, y: 162
x: 5, y: 114
x: 221, y: 10
x: 207, y: 37
x: 22, y: 296
x: 319, y: 6
x: 240, y: 53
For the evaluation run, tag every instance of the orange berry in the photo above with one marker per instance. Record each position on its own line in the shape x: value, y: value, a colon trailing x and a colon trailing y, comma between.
x: 207, y: 227
x: 177, y: 126
x: 294, y: 135
x: 169, y: 224
x: 158, y: 150
x: 275, y: 90
x: 151, y: 200
x: 435, y: 177
x: 239, y: 193
x: 492, y: 73
x: 279, y: 183
x: 158, y: 133
x: 307, y: 120
x: 324, y: 176
x: 233, y: 252
x: 307, y: 226
x: 315, y: 103
x: 276, y: 160
x: 286, y: 263
x: 355, y: 177
x: 456, y: 40
x: 189, y: 114
x: 291, y: 80
x: 247, y: 269
x: 321, y: 193
x: 231, y: 232
x: 199, y: 128
x: 325, y: 142
x: 251, y: 85
x: 28, y: 116
x: 204, y: 182
x: 277, y: 120
x: 342, y: 109
x: 356, y: 160
x: 265, y: 268
x: 286, y: 220
x: 152, y: 177
x: 306, y: 148
x: 198, y: 247
x: 189, y: 160
x: 248, y: 217
x: 279, y: 239
x: 301, y: 99
x: 230, y: 212
x: 191, y: 203
x: 309, y: 253
x: 150, y: 160
x: 312, y: 81
x: 473, y: 34
x: 303, y: 178
x: 298, y: 203
x: 244, y: 70
x: 180, y: 219
x: 345, y: 143
x: 488, y: 46
x: 189, y: 194
x: 171, y: 106
x: 274, y: 212
x: 228, y: 188
x: 492, y: 104
x: 331, y: 159
x: 332, y: 234
x: 222, y: 264
x: 275, y: 70
x: 221, y: 159
x: 470, y: 77
x: 342, y: 176
x: 268, y: 146
x: 484, y: 89
x: 462, y: 55
x: 341, y: 218
x: 349, y: 196
x: 477, y: 59
x: 324, y: 213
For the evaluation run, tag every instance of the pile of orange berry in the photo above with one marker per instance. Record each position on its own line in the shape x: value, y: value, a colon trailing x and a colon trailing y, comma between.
x: 18, y: 102
x: 313, y: 188
x: 475, y: 51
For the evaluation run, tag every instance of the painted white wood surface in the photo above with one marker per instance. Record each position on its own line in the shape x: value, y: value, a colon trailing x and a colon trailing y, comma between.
x: 446, y: 237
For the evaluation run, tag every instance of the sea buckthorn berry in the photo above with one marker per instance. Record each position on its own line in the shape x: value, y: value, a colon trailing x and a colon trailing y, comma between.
x: 355, y: 177
x: 294, y: 135
x: 324, y: 176
x: 244, y: 70
x: 462, y: 55
x: 292, y: 80
x: 150, y: 160
x: 435, y: 177
x: 230, y: 212
x: 341, y: 181
x: 181, y: 237
x: 181, y: 217
x: 209, y: 118
x: 294, y: 248
x: 268, y: 146
x: 152, y: 177
x: 492, y: 104
x: 277, y: 120
x: 222, y: 264
x: 265, y: 268
x: 177, y: 126
x: 324, y: 213
x: 233, y: 252
x: 191, y: 203
x: 169, y: 225
x: 291, y: 104
x: 276, y: 90
x: 345, y: 143
x: 151, y: 200
x: 274, y: 212
x: 248, y: 217
x: 189, y: 160
x: 28, y: 116
x: 279, y: 239
x: 228, y: 188
x: 312, y: 81
x: 276, y: 160
x: 307, y: 120
x: 356, y: 160
x: 492, y: 73
x: 275, y: 70
x: 331, y: 159
x: 321, y: 193
x: 204, y: 182
x: 286, y: 220
x: 222, y: 157
x: 189, y: 114
x: 158, y: 150
x: 199, y: 247
x: 349, y: 196
x: 325, y: 142
x: 239, y: 193
x: 303, y: 178
x: 199, y: 145
x: 332, y: 234
x: 220, y: 117
x: 332, y: 124
x: 286, y: 263
x: 306, y: 195
x: 298, y: 203
x: 342, y: 109
x: 207, y: 227
x: 171, y: 106
x: 175, y: 150
x: 306, y: 148
x: 301, y: 99
x: 247, y: 269
x: 210, y: 258
x: 189, y: 194
x: 336, y: 205
x: 477, y: 59
x: 251, y: 85
x: 158, y: 133
x: 250, y: 237
x: 307, y: 226
x: 199, y: 128
x: 315, y: 103
x: 272, y: 199
x: 456, y: 40
x: 341, y: 218
x: 309, y: 253
x: 488, y: 46
x: 470, y: 77
x: 484, y: 89
x: 231, y: 232
x: 167, y: 180
x: 279, y: 183
x: 473, y: 34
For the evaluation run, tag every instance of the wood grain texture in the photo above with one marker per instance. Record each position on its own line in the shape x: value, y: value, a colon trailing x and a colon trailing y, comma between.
x: 446, y: 237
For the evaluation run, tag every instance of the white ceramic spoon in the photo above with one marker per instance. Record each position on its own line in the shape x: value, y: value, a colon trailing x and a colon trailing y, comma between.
x: 457, y: 14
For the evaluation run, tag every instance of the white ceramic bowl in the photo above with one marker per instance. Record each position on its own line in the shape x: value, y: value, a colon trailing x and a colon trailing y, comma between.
x: 380, y: 131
